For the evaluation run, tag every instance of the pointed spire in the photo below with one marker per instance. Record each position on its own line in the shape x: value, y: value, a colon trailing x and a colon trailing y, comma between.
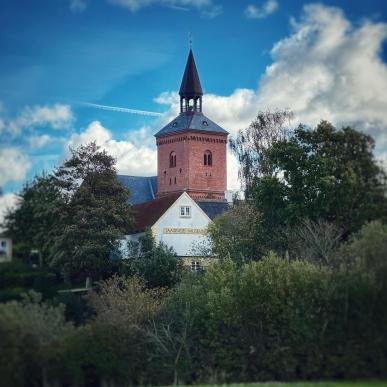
x: 190, y: 84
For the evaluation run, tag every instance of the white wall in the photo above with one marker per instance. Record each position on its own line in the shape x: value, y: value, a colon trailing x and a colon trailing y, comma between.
x: 180, y: 232
x: 5, y: 249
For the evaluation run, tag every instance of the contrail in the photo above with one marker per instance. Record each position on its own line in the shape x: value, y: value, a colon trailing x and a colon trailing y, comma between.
x: 121, y: 109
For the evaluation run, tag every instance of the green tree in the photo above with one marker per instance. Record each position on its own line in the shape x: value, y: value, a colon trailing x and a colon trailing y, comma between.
x: 36, y: 220
x: 323, y: 174
x: 156, y: 263
x: 236, y: 233
x: 29, y: 333
x: 96, y: 214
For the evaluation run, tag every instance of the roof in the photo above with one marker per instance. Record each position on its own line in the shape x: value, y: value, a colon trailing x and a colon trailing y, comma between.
x: 148, y: 213
x: 191, y: 121
x: 190, y: 84
x: 213, y: 208
x: 141, y: 188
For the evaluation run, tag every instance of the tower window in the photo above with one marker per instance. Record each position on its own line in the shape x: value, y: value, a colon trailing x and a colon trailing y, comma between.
x: 172, y: 160
x: 175, y: 180
x: 207, y: 158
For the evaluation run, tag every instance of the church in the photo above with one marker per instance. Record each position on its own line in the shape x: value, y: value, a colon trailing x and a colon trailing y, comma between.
x: 189, y: 190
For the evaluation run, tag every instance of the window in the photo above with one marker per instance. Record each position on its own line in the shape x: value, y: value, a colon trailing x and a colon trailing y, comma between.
x: 207, y: 158
x: 185, y: 211
x: 3, y: 244
x: 172, y: 160
x: 196, y: 266
x: 175, y: 180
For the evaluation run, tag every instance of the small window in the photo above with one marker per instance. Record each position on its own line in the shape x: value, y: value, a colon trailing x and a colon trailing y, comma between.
x: 175, y: 180
x: 170, y: 181
x: 196, y: 266
x: 204, y: 123
x: 208, y: 158
x: 185, y: 211
x: 3, y: 244
x: 172, y: 160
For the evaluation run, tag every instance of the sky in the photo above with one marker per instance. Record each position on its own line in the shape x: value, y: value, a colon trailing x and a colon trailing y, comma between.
x: 60, y: 58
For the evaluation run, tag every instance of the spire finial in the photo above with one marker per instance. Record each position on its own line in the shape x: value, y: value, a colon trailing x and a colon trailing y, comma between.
x: 190, y: 40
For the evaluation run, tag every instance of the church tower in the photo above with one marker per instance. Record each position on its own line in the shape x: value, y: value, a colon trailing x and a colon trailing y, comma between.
x: 191, y: 149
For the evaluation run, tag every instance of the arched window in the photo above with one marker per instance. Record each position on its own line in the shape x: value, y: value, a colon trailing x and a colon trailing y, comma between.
x: 172, y: 160
x: 207, y: 158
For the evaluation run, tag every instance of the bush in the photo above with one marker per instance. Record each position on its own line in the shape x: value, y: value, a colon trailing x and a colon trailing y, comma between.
x: 17, y: 278
x: 28, y: 331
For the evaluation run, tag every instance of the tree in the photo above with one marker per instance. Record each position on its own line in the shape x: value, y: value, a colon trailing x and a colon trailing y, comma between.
x: 236, y: 233
x: 29, y: 332
x: 323, y: 174
x: 252, y: 146
x: 96, y: 214
x: 35, y: 221
x: 156, y: 263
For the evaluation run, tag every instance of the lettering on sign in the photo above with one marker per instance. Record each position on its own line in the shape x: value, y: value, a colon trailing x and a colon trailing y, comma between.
x: 184, y: 230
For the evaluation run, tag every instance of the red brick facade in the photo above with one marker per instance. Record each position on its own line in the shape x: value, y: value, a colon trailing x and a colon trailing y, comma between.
x: 190, y: 173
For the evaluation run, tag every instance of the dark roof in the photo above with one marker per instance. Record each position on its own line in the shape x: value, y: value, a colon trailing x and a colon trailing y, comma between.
x: 148, y: 213
x: 191, y: 121
x: 213, y: 208
x: 142, y: 188
x: 190, y: 84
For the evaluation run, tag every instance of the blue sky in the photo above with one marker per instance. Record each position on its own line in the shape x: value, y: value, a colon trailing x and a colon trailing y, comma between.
x: 251, y: 55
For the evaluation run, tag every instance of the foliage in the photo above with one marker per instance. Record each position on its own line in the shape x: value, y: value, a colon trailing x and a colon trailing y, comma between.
x: 283, y: 320
x: 36, y: 220
x: 29, y: 331
x: 252, y: 146
x: 156, y: 263
x: 316, y: 242
x: 325, y: 174
x: 368, y: 251
x: 95, y: 216
x: 235, y: 233
x: 17, y: 278
x: 114, y: 347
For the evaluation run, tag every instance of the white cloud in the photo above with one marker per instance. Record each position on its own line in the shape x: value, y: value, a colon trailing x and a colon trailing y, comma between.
x: 207, y: 7
x: 7, y: 201
x: 330, y: 69
x: 56, y: 116
x: 39, y: 141
x: 267, y: 8
x: 14, y: 165
x: 78, y: 5
x: 132, y: 159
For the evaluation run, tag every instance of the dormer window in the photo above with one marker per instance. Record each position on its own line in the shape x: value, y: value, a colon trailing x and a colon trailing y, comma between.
x: 172, y: 160
x: 208, y: 158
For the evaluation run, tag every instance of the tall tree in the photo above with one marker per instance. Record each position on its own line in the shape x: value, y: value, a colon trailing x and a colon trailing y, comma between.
x: 252, y: 146
x: 96, y: 213
x: 325, y: 174
x: 35, y: 221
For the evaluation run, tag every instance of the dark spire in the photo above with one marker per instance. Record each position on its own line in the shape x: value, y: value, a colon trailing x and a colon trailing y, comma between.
x: 190, y: 84
x: 190, y: 89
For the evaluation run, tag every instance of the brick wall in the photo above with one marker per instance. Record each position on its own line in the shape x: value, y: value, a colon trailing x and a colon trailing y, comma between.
x: 190, y: 173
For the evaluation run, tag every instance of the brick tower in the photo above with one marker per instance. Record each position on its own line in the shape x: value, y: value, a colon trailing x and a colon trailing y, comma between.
x: 191, y: 149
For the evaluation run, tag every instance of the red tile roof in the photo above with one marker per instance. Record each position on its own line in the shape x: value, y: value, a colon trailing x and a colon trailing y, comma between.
x: 148, y: 213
